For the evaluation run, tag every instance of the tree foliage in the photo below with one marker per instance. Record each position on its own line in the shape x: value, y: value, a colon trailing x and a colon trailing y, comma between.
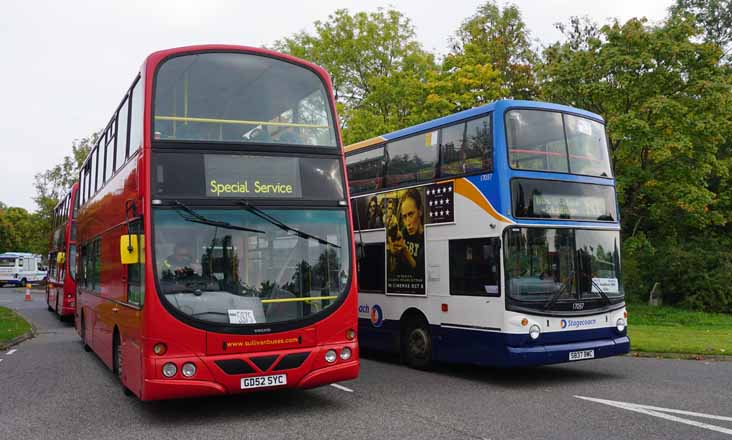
x: 714, y: 17
x: 20, y: 231
x: 498, y: 39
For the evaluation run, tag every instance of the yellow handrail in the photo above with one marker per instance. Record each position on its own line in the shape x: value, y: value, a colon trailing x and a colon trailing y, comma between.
x: 236, y: 121
x: 287, y: 300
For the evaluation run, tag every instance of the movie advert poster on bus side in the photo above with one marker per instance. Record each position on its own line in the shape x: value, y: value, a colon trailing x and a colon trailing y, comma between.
x: 402, y: 214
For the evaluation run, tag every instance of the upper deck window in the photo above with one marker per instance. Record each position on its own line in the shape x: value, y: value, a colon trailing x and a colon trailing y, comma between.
x: 551, y: 141
x: 365, y: 170
x: 412, y: 159
x: 236, y: 97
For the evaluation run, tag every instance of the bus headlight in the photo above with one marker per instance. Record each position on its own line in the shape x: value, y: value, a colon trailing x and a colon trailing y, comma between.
x: 346, y: 353
x: 620, y: 325
x: 188, y: 369
x: 534, y: 331
x: 169, y: 369
x: 331, y: 356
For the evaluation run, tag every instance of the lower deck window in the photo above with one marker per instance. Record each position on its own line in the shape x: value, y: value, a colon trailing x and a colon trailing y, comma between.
x: 474, y: 266
x: 371, y: 268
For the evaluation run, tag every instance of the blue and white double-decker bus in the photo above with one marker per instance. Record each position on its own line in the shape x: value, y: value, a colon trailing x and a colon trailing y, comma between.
x: 490, y: 236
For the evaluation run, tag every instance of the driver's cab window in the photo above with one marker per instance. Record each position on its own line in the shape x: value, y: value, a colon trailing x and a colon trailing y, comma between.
x: 136, y: 272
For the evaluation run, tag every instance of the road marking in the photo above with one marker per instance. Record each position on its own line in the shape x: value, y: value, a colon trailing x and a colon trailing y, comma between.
x: 11, y: 351
x: 341, y: 387
x: 661, y: 413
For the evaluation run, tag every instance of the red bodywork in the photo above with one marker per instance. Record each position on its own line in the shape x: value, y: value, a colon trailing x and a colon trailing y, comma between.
x: 102, y: 314
x: 61, y: 286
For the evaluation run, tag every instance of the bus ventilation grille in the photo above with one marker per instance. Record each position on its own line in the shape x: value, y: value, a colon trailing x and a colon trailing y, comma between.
x: 293, y: 360
x: 235, y: 366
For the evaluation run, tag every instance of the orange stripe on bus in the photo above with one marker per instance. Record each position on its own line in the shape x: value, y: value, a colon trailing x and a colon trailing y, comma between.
x: 364, y: 144
x: 466, y: 189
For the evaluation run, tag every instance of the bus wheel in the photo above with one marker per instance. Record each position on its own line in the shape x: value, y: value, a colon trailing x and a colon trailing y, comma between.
x: 117, y: 362
x: 23, y: 283
x: 58, y: 311
x: 417, y: 345
x: 48, y: 300
x: 87, y: 348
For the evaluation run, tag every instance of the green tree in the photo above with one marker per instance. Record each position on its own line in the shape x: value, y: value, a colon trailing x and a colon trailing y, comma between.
x: 660, y: 90
x: 714, y: 16
x: 19, y: 231
x: 378, y: 68
x: 496, y: 45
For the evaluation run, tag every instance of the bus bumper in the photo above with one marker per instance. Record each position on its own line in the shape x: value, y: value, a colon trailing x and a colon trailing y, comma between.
x: 556, y: 353
x: 212, y: 380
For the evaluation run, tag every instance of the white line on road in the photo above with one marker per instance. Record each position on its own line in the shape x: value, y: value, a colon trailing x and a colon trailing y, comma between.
x: 660, y: 413
x: 341, y: 387
x: 1, y: 360
x: 11, y: 351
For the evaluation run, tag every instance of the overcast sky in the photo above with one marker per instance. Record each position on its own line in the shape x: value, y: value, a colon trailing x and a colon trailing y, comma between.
x: 66, y: 63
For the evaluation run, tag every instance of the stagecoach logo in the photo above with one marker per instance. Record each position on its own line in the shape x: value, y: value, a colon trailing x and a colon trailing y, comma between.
x: 569, y: 323
x: 377, y: 316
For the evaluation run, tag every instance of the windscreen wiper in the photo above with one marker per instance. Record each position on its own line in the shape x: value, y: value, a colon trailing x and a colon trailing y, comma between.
x: 600, y: 291
x: 195, y: 217
x: 264, y: 216
x: 556, y: 296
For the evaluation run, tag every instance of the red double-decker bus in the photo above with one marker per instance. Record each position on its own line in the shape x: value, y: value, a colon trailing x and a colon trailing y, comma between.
x: 214, y: 229
x: 61, y: 277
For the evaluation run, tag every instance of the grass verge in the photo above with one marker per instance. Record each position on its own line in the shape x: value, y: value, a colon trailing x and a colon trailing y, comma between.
x: 12, y: 325
x: 671, y: 330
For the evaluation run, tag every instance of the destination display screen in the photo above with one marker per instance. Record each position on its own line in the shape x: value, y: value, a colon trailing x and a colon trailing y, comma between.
x: 252, y: 176
x: 548, y: 199
x: 245, y: 176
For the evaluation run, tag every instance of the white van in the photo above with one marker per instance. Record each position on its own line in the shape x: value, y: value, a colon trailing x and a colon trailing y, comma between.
x: 20, y: 268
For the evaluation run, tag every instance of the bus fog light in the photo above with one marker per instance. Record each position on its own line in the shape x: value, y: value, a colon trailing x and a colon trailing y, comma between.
x: 188, y: 369
x: 169, y: 369
x: 330, y: 356
x: 620, y: 325
x: 346, y: 353
x: 534, y: 331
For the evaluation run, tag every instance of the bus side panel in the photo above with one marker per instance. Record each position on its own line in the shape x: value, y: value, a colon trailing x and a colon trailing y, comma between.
x: 468, y: 346
x: 104, y: 218
x: 382, y: 338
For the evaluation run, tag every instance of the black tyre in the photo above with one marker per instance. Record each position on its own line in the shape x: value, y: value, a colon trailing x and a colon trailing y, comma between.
x: 87, y: 348
x: 417, y: 344
x: 48, y: 300
x: 23, y: 282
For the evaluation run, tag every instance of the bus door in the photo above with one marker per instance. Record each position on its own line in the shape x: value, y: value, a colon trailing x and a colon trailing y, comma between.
x: 129, y: 316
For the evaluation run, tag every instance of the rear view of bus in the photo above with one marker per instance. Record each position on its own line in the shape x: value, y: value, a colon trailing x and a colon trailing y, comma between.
x: 61, y: 282
x: 235, y: 255
x: 490, y: 236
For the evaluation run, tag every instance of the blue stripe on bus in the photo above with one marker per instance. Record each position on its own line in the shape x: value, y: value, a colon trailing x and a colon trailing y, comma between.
x: 499, y: 106
x: 499, y: 349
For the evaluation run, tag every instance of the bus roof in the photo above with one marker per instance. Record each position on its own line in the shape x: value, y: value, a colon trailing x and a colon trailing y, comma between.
x: 500, y: 105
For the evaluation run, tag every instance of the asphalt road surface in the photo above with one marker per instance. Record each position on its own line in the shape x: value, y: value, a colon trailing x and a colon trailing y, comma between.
x: 50, y: 388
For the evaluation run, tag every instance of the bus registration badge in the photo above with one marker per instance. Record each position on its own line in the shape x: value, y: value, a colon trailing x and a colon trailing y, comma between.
x: 263, y: 381
x: 579, y: 355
